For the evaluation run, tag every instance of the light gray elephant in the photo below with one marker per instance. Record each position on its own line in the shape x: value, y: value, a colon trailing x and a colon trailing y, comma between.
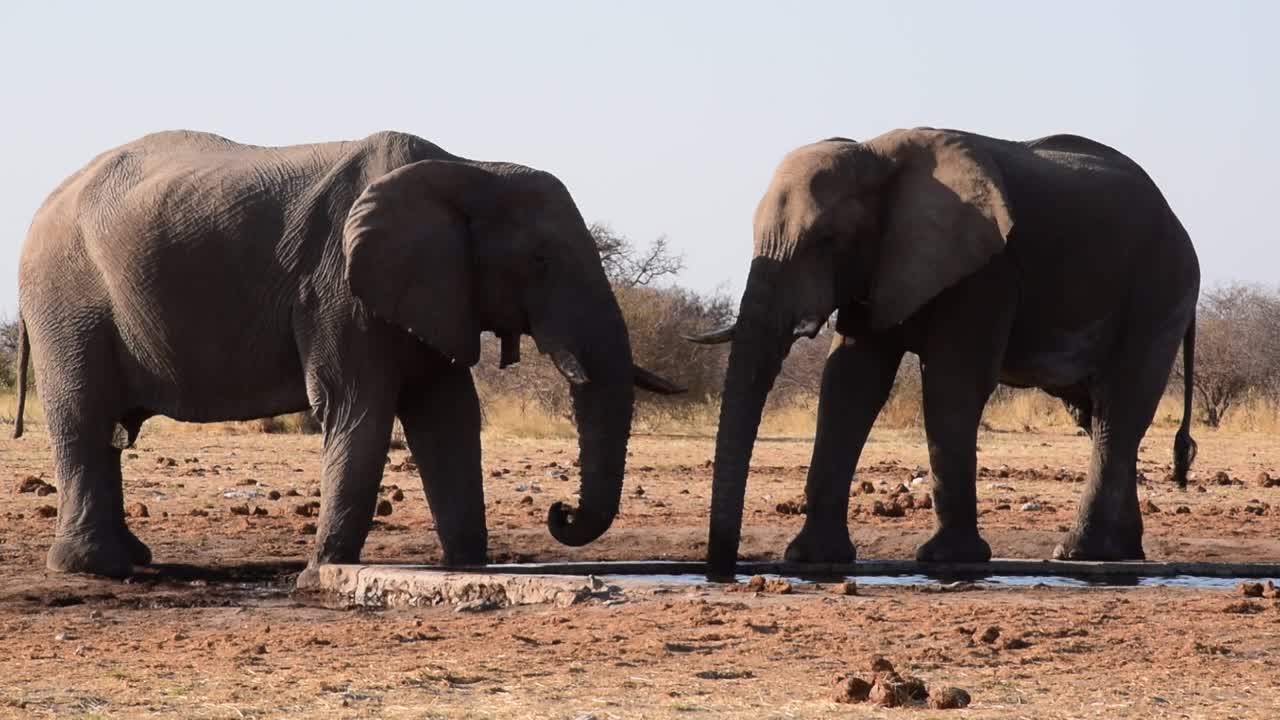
x: 187, y: 275
x: 1053, y: 263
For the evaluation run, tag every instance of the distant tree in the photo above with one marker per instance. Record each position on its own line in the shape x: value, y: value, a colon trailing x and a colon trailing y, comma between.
x: 1237, y: 348
x: 628, y: 265
x: 9, y: 354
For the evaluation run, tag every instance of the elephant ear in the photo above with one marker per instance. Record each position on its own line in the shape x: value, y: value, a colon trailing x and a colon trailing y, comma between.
x: 408, y: 253
x: 947, y: 216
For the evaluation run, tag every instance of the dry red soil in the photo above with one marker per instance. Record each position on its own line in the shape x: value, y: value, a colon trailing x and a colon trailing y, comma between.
x: 215, y: 630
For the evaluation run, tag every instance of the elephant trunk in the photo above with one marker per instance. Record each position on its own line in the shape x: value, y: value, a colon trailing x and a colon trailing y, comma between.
x: 602, y: 407
x: 760, y: 343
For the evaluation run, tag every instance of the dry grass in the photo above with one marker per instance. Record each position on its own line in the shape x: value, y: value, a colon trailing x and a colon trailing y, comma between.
x: 1015, y: 411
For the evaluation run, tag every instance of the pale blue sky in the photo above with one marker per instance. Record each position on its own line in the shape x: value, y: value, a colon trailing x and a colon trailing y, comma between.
x: 661, y: 117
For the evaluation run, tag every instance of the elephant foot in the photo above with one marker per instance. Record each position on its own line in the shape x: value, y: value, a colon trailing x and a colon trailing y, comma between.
x: 830, y: 547
x: 139, y: 553
x: 470, y: 550
x: 308, y: 580
x: 91, y: 556
x: 1099, y: 547
x: 954, y: 546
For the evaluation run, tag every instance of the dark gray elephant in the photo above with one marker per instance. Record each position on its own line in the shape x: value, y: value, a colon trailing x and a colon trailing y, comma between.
x: 1053, y: 263
x: 187, y: 275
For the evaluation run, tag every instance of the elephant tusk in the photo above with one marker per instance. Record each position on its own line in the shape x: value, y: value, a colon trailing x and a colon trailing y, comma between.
x: 654, y: 383
x: 714, y: 337
x: 807, y: 328
x: 569, y: 367
x: 510, y: 350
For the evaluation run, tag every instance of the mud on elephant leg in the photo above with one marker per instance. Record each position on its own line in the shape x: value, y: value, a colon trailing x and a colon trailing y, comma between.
x: 856, y: 382
x: 442, y: 426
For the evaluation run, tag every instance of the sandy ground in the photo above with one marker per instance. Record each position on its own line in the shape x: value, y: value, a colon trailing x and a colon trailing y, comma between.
x: 214, y: 630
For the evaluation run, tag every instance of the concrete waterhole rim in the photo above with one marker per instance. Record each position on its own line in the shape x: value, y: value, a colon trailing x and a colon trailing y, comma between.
x: 567, y: 583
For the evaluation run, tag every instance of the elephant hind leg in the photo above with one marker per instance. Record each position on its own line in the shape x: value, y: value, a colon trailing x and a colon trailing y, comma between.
x: 81, y: 393
x: 1109, y: 521
x: 125, y: 433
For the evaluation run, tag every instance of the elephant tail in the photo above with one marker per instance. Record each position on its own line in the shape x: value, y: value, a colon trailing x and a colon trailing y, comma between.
x: 24, y: 360
x: 1184, y: 448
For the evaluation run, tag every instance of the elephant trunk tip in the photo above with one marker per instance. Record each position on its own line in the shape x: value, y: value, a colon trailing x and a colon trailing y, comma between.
x: 576, y: 527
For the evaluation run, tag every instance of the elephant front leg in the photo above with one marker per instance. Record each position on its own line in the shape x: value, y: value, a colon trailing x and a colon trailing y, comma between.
x: 952, y: 411
x: 442, y: 426
x: 357, y: 435
x: 856, y: 382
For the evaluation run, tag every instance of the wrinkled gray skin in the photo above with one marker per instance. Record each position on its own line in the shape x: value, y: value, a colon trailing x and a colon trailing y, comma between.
x: 1054, y: 263
x: 190, y: 276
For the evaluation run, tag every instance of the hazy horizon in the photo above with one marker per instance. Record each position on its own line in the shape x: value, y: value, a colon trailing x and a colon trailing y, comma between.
x: 666, y: 118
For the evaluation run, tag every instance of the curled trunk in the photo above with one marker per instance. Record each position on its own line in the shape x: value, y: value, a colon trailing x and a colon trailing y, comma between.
x: 602, y: 409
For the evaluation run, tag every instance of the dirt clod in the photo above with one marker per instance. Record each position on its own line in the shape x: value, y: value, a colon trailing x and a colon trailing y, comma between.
x: 881, y: 664
x: 1150, y: 508
x: 1015, y: 643
x: 308, y: 528
x: 273, y: 495
x: 848, y: 587
x: 137, y: 510
x: 1182, y: 510
x: 756, y: 583
x: 1250, y: 589
x: 397, y: 495
x: 239, y: 509
x: 850, y: 689
x: 384, y: 508
x: 948, y: 698
x: 888, y: 509
x: 795, y: 506
x: 30, y: 483
x: 778, y: 586
x: 308, y: 509
x: 47, y: 511
x: 990, y: 635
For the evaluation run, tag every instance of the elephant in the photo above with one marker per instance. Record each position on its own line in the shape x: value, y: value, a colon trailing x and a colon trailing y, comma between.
x: 187, y: 275
x: 1053, y: 263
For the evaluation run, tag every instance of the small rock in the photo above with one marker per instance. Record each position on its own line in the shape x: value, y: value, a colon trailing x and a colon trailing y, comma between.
x: 199, y: 512
x: 890, y: 509
x: 292, y: 492
x: 1221, y: 478
x: 949, y: 698
x: 47, y: 511
x: 796, y: 506
x: 308, y: 528
x: 778, y: 586
x: 886, y: 693
x: 847, y: 587
x: 397, y: 495
x: 384, y: 508
x: 901, y: 490
x: 915, y: 688
x: 925, y: 503
x: 1250, y: 589
x: 1264, y: 479
x: 639, y: 491
x: 1150, y: 508
x: 1015, y: 643
x: 990, y: 635
x: 239, y: 509
x: 30, y: 483
x: 918, y: 481
x: 45, y: 490
x: 850, y: 689
x: 137, y: 510
x: 1032, y: 506
x: 308, y: 509
x: 881, y: 664
x: 526, y: 500
x: 1182, y: 510
x: 259, y: 510
x: 756, y: 583
x: 64, y: 636
x: 866, y: 488
x: 481, y: 605
x: 273, y: 495
x: 1269, y: 590
x: 166, y: 462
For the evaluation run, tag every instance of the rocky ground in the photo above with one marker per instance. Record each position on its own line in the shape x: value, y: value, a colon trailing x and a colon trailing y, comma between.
x: 215, y: 631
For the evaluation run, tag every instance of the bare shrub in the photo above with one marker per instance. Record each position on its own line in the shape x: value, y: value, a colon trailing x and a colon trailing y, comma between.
x: 1237, y: 349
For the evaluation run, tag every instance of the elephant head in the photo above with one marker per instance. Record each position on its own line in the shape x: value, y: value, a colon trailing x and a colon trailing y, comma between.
x: 446, y: 249
x: 874, y: 229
